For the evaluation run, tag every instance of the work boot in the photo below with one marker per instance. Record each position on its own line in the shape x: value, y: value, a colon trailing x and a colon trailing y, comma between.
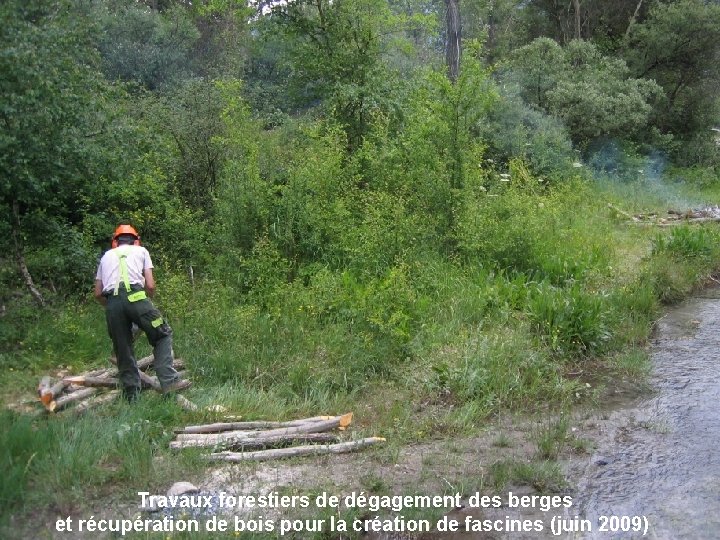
x: 176, y: 386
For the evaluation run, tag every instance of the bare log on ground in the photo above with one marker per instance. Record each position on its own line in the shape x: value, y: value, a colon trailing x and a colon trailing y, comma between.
x: 63, y: 401
x: 622, y: 212
x: 101, y: 372
x: 186, y: 404
x: 95, y: 382
x: 295, y: 451
x: 48, y: 391
x: 279, y: 441
x: 238, y: 437
x: 149, y: 381
x: 219, y: 427
x: 107, y: 397
x: 44, y: 385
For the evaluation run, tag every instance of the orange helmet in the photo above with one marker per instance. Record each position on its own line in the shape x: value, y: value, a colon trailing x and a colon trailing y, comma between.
x: 125, y: 229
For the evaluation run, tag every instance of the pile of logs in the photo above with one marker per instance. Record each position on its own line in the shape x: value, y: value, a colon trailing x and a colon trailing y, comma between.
x: 96, y: 387
x: 262, y: 440
x: 673, y: 217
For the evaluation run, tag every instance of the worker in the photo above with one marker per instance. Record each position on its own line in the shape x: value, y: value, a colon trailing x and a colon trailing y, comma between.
x: 124, y: 284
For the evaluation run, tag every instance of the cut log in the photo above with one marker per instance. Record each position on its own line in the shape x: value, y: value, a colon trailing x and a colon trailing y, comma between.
x: 282, y: 441
x: 107, y: 397
x: 145, y: 362
x: 54, y: 391
x: 44, y: 385
x: 63, y: 401
x: 95, y: 382
x: 313, y: 450
x: 102, y: 372
x: 186, y: 404
x: 219, y: 427
x: 149, y: 381
x: 238, y: 437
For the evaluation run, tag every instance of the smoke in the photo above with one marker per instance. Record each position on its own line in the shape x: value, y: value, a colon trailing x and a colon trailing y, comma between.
x: 643, y: 178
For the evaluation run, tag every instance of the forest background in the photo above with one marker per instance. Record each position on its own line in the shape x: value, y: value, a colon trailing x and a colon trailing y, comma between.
x: 342, y: 209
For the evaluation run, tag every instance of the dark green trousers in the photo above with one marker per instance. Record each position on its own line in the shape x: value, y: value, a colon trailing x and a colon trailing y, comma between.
x: 120, y: 314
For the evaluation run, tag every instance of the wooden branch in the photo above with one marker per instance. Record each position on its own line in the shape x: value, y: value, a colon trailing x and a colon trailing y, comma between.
x: 107, y: 397
x: 295, y: 451
x: 633, y: 18
x: 44, y: 385
x: 20, y: 255
x: 149, y: 381
x: 95, y: 382
x: 621, y: 212
x: 275, y: 441
x: 186, y: 404
x: 237, y: 437
x: 234, y: 426
x: 64, y: 401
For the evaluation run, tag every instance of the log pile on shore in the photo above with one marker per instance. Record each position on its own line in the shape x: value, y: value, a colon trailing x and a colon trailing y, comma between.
x: 263, y: 440
x: 672, y: 217
x: 92, y: 388
x: 232, y: 441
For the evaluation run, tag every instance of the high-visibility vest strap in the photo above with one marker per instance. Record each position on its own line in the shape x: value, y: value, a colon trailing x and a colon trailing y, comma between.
x: 122, y: 254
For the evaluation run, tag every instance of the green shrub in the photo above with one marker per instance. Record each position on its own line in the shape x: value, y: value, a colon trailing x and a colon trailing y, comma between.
x: 688, y: 242
x: 569, y: 319
x: 496, y: 370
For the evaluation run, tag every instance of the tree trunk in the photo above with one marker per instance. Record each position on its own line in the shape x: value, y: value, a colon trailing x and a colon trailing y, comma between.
x: 576, y: 5
x: 633, y: 18
x: 20, y: 256
x: 452, y: 46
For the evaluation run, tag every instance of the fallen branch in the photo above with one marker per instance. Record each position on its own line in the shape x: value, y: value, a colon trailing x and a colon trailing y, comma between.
x: 278, y: 441
x: 63, y: 401
x: 149, y: 381
x: 295, y: 451
x: 622, y: 212
x: 48, y: 392
x: 186, y: 404
x: 107, y: 397
x: 219, y: 427
x: 95, y: 382
x: 235, y: 438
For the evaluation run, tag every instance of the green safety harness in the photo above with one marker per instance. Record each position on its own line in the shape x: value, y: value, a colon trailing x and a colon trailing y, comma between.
x: 122, y: 253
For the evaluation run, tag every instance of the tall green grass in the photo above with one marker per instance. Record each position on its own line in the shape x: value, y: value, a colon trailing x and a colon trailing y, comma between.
x: 422, y: 343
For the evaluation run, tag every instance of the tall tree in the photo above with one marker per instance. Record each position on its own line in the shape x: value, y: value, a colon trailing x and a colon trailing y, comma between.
x: 334, y: 52
x: 678, y: 46
x: 594, y: 95
x: 453, y: 36
x: 53, y: 116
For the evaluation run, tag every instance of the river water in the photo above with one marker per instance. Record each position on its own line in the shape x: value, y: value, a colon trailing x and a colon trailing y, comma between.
x: 660, y: 458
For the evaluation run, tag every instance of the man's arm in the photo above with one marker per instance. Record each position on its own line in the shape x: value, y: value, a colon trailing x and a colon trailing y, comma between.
x: 149, y: 282
x: 98, y: 293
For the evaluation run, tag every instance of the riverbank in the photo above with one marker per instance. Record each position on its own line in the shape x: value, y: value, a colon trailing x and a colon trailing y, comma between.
x: 428, y: 355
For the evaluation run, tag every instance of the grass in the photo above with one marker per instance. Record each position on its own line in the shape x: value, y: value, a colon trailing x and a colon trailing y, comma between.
x: 544, y: 476
x: 429, y: 349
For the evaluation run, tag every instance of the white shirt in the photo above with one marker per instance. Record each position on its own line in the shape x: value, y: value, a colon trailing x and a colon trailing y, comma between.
x: 138, y: 260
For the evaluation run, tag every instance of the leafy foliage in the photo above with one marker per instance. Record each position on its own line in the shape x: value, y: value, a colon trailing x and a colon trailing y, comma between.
x: 592, y: 94
x: 678, y: 46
